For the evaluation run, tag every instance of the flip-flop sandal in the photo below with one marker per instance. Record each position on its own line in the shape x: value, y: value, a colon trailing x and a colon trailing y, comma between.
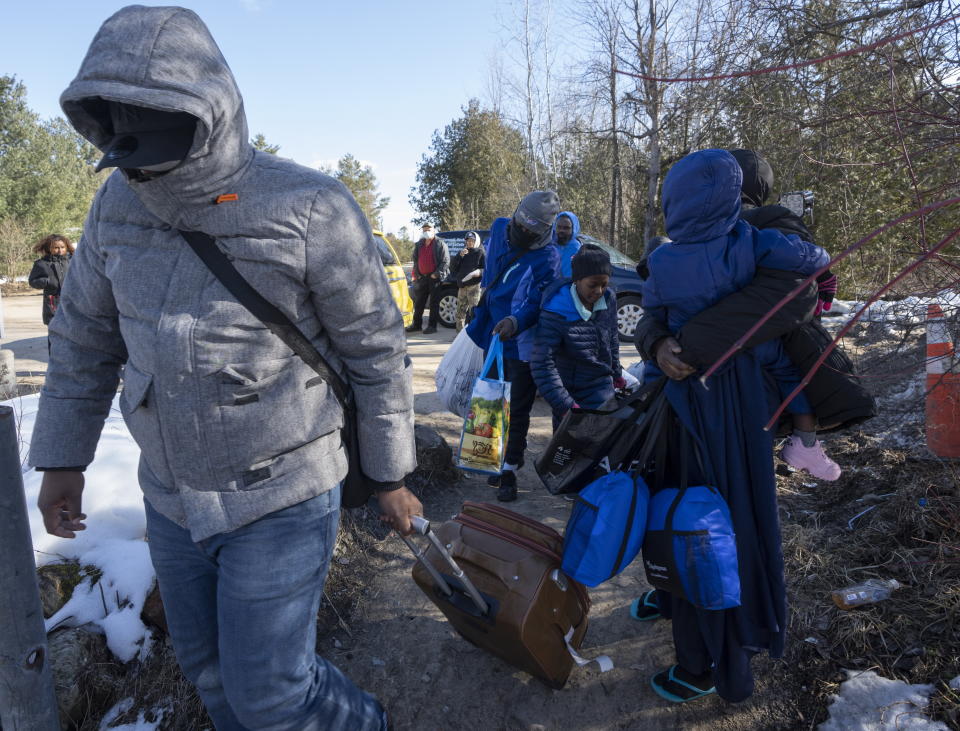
x: 666, y: 685
x: 645, y: 607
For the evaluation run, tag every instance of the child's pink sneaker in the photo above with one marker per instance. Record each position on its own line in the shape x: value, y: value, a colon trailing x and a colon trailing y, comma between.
x: 812, y: 459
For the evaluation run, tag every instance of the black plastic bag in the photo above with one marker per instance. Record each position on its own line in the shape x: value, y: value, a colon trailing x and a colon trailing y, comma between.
x: 591, y: 442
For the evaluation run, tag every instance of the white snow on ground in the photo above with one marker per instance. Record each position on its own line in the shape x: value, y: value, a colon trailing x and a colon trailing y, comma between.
x: 868, y: 702
x: 141, y: 723
x: 908, y: 311
x: 113, y: 542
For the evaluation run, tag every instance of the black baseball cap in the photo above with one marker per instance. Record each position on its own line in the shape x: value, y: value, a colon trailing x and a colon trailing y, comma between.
x: 144, y: 136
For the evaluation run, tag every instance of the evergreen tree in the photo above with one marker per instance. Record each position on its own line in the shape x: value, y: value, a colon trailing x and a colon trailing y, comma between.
x: 47, y: 180
x: 477, y: 165
x: 260, y: 143
x: 362, y: 182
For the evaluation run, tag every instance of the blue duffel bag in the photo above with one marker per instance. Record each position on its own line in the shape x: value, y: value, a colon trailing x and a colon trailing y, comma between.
x: 690, y: 549
x: 606, y: 526
x: 605, y: 530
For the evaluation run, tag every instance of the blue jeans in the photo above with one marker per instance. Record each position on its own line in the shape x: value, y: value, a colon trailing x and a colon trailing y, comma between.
x: 242, y: 612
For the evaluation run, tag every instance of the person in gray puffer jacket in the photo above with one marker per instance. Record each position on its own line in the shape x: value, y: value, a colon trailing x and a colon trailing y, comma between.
x: 242, y: 460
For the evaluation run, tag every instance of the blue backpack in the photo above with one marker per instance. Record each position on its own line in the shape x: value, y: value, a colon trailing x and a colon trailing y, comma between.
x: 690, y: 549
x: 606, y: 527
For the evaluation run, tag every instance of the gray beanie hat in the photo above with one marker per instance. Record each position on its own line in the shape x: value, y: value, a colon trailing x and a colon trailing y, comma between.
x: 537, y: 212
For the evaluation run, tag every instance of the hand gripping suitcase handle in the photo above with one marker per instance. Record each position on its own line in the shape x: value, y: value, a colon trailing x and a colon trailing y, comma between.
x: 422, y: 526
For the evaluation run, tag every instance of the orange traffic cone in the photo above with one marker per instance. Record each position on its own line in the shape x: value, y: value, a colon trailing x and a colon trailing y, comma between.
x: 943, y: 388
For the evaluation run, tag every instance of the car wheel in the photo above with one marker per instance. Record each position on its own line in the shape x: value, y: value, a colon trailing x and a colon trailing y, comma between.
x: 448, y: 308
x: 629, y: 313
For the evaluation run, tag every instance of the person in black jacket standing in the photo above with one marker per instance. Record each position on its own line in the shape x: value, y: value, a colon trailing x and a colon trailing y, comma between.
x: 467, y: 270
x: 431, y: 264
x: 50, y: 271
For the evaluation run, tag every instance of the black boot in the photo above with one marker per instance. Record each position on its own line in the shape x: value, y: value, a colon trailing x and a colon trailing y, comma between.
x: 414, y: 328
x: 508, y: 487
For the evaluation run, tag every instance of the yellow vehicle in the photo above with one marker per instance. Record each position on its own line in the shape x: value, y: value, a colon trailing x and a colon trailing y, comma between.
x: 396, y: 277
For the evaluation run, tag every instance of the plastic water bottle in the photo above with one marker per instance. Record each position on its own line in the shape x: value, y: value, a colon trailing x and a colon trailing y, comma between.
x: 869, y: 592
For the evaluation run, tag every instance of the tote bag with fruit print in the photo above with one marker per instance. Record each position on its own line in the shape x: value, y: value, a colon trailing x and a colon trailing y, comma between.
x: 487, y: 421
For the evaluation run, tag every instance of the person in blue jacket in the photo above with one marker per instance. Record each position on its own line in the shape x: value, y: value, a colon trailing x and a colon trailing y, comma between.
x: 566, y: 233
x: 518, y: 248
x: 714, y: 253
x: 576, y: 350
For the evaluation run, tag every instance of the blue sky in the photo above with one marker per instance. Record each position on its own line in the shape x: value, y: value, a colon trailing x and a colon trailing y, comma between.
x: 320, y: 78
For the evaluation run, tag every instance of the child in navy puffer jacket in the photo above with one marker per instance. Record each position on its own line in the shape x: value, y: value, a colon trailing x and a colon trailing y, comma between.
x: 576, y: 349
x: 714, y: 253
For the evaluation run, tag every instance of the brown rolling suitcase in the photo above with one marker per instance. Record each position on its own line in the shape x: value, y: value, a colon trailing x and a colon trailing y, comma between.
x: 510, y: 597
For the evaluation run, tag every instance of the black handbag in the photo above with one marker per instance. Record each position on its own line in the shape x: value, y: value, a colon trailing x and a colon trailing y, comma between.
x: 357, y: 487
x: 591, y: 442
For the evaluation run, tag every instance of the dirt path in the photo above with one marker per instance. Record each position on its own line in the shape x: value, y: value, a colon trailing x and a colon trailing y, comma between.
x: 403, y: 650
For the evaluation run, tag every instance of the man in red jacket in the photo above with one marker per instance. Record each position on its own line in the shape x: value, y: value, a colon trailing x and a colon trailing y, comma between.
x: 431, y: 265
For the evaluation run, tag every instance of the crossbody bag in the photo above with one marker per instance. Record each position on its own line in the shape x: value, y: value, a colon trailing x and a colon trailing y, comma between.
x: 357, y: 487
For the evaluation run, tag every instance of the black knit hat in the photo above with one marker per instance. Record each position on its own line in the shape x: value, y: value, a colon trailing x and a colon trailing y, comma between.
x: 757, y: 176
x: 590, y: 260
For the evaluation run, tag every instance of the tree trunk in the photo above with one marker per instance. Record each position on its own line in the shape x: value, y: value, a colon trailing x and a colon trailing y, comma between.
x: 653, y: 111
x: 615, y: 177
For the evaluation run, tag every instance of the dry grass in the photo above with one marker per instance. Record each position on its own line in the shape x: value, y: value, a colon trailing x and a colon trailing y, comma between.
x: 910, y: 532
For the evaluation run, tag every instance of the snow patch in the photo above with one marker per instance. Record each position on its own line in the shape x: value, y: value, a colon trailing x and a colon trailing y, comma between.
x: 868, y: 702
x: 910, y: 310
x: 114, y: 541
x: 141, y: 724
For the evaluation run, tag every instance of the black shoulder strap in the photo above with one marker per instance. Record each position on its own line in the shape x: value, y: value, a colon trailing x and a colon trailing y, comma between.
x: 278, y: 323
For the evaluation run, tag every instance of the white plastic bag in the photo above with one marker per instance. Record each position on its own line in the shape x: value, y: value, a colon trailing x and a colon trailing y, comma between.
x: 633, y: 376
x: 457, y: 372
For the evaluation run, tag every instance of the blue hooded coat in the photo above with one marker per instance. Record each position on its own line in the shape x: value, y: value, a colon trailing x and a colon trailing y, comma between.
x: 575, y: 361
x: 713, y: 254
x: 543, y: 265
x: 571, y: 247
x: 566, y: 252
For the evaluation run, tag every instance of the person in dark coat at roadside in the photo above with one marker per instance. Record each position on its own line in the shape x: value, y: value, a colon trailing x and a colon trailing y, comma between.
x: 701, y: 204
x: 576, y: 349
x: 431, y: 265
x: 50, y: 271
x: 466, y: 269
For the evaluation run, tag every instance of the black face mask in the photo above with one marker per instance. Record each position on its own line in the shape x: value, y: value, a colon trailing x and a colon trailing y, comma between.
x: 521, y: 237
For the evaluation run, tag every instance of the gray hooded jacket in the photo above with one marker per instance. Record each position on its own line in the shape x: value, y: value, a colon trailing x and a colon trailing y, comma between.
x: 231, y: 425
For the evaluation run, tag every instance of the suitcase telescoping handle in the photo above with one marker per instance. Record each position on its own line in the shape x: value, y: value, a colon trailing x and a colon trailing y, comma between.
x: 422, y: 526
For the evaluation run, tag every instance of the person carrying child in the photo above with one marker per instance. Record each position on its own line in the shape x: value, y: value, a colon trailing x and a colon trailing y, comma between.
x: 576, y: 348
x: 713, y: 254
